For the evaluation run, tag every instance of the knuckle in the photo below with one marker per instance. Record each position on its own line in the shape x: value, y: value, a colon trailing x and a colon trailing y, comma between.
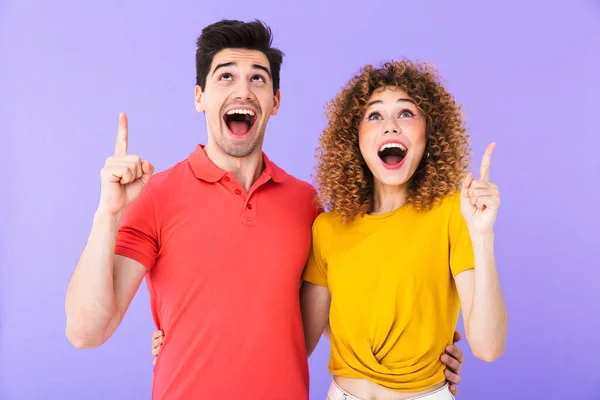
x: 125, y: 174
x: 115, y: 159
x: 106, y: 172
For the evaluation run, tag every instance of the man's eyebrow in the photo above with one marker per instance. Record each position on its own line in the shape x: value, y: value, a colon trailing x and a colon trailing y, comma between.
x: 234, y: 64
x: 223, y: 65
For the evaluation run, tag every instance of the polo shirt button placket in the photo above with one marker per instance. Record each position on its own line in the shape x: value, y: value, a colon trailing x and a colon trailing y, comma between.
x: 250, y: 211
x: 228, y: 184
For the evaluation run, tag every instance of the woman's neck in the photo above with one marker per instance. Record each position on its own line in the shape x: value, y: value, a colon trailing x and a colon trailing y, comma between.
x: 388, y: 198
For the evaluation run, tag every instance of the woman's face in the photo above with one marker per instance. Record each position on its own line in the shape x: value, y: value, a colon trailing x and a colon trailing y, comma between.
x: 391, y: 136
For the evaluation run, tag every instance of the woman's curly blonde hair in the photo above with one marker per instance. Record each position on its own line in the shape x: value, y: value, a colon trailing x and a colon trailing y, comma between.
x: 343, y: 179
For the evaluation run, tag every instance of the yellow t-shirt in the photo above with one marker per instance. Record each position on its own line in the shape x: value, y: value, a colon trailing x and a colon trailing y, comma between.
x: 394, y: 305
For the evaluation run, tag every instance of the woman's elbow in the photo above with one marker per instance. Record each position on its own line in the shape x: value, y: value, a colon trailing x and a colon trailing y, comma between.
x: 489, y: 350
x: 489, y: 355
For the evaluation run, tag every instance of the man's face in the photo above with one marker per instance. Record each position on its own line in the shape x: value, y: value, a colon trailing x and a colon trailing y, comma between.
x: 238, y: 100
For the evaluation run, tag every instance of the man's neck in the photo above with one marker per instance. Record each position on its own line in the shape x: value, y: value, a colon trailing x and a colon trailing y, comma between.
x: 246, y: 170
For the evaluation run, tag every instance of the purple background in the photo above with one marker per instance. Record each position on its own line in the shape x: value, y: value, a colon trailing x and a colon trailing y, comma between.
x: 527, y: 73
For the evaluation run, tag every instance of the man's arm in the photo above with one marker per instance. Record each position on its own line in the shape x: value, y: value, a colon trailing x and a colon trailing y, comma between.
x: 314, y: 301
x: 453, y: 358
x: 103, y: 284
x: 101, y: 288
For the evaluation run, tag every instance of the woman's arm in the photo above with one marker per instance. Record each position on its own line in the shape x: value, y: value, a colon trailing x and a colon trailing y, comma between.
x: 314, y: 302
x: 484, y: 311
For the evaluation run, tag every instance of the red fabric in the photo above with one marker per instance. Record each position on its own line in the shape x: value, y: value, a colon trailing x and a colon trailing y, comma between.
x: 224, y: 270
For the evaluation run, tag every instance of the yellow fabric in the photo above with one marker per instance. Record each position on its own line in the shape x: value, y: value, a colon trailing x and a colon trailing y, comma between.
x: 394, y: 305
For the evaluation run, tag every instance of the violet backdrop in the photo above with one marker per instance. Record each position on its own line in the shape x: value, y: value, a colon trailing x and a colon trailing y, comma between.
x: 525, y: 71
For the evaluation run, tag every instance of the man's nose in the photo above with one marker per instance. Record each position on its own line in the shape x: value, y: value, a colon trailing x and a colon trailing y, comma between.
x: 242, y: 91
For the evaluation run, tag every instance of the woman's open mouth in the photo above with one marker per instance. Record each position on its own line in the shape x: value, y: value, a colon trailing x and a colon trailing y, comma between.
x: 392, y: 154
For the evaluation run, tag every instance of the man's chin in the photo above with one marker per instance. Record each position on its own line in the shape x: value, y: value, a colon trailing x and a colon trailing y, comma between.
x: 238, y: 153
x: 239, y: 148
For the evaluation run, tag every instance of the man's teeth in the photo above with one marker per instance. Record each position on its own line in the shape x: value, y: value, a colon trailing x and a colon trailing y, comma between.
x: 240, y: 111
x: 392, y: 145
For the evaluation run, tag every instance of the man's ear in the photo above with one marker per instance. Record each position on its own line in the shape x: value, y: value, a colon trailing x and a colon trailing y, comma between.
x: 198, y: 97
x: 276, y: 102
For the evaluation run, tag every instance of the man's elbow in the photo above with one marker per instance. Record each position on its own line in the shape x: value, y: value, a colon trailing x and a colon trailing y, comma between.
x: 83, y: 340
x: 85, y: 337
x: 89, y: 329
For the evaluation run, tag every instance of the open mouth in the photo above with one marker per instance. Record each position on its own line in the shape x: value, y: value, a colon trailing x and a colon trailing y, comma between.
x: 392, y: 153
x: 240, y: 121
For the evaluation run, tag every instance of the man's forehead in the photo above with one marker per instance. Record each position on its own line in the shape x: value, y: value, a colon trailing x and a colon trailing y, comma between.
x: 240, y: 57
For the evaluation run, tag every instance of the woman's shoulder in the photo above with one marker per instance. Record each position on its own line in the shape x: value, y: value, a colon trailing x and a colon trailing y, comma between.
x: 449, y: 201
x: 444, y: 205
x: 327, y: 219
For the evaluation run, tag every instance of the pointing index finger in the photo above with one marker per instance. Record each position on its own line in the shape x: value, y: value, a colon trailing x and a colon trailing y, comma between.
x: 484, y: 172
x: 122, y: 136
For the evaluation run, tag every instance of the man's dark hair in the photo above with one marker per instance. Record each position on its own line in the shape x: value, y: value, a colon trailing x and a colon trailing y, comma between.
x: 231, y: 34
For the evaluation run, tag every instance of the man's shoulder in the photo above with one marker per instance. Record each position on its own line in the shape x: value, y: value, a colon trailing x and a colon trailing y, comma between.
x: 299, y: 184
x: 292, y: 182
x: 165, y: 179
x: 301, y: 193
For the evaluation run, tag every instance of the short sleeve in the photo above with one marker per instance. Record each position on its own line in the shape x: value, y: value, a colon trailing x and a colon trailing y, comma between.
x: 461, y: 248
x: 137, y: 237
x: 316, y: 266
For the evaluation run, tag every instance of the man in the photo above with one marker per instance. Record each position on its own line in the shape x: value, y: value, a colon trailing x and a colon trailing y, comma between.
x: 221, y: 238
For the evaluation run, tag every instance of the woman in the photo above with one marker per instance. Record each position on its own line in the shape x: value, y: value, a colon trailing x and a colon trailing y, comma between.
x: 404, y: 246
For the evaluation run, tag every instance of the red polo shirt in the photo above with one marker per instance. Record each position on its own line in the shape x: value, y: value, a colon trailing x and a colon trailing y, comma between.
x: 224, y: 270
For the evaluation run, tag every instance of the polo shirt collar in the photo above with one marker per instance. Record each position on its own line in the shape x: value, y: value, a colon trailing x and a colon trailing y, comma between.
x: 205, y: 169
